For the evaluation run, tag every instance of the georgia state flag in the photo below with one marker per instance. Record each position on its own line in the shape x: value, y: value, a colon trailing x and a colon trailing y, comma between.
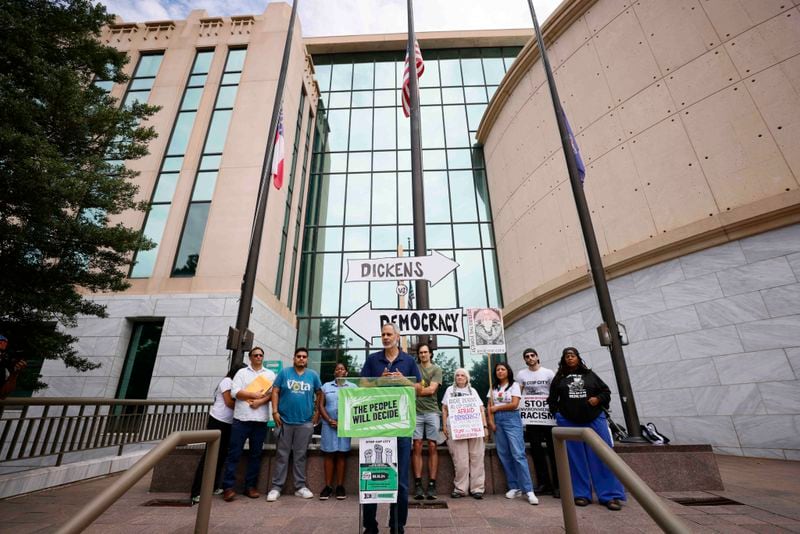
x: 277, y: 156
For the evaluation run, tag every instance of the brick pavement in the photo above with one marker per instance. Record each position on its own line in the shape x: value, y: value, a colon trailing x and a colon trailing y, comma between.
x: 769, y: 491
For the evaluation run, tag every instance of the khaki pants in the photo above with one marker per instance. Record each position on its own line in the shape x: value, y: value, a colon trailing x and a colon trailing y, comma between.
x: 468, y: 464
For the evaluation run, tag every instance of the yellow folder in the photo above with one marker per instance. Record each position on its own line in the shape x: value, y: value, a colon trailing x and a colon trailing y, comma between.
x: 260, y: 385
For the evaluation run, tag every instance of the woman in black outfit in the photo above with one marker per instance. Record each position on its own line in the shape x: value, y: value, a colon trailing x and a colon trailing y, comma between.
x: 577, y: 398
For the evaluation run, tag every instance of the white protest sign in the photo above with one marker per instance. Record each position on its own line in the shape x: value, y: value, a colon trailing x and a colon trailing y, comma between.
x: 366, y: 322
x: 432, y: 267
x: 486, y: 334
x: 534, y: 411
x: 464, y: 417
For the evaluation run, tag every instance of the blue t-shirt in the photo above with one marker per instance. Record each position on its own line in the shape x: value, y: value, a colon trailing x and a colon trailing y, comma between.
x: 297, y: 394
x: 377, y: 362
x: 331, y: 392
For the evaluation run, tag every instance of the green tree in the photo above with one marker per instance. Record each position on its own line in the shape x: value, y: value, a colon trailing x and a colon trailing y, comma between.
x: 63, y: 141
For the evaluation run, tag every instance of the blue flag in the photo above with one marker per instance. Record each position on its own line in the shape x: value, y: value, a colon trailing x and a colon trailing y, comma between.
x: 575, y: 149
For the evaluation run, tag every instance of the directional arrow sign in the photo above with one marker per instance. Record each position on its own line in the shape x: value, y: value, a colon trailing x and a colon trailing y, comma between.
x: 433, y: 267
x: 366, y: 322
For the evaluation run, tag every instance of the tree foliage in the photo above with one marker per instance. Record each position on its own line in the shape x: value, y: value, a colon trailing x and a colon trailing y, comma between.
x: 62, y: 143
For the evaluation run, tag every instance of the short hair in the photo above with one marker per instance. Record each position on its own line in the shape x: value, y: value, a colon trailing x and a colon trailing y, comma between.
x: 263, y: 352
x: 529, y: 350
x: 300, y: 349
x: 394, y: 327
x: 461, y: 370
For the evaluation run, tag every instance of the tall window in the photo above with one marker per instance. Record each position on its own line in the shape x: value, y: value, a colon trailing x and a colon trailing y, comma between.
x: 299, y: 219
x: 137, y: 371
x: 360, y: 193
x: 143, y: 77
x: 197, y: 214
x: 164, y: 191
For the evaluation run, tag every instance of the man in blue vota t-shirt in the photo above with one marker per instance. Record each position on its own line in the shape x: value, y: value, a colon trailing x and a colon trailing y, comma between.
x: 391, y: 361
x: 295, y: 396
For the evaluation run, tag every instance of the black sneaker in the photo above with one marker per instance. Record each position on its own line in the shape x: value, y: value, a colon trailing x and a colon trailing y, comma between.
x: 340, y: 494
x: 419, y: 493
x: 431, y: 494
x: 326, y: 493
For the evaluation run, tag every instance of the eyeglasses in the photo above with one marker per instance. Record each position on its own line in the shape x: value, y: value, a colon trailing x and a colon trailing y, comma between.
x: 257, y: 355
x: 301, y: 355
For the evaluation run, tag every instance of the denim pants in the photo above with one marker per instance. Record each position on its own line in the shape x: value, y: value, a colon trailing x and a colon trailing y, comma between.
x: 511, y: 450
x: 398, y: 513
x: 241, y: 431
x: 586, y: 469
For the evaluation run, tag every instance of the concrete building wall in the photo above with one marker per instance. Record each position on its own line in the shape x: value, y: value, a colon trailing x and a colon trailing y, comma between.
x: 715, y: 343
x: 687, y: 115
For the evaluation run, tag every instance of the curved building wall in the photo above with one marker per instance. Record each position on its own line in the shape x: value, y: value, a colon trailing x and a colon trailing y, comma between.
x: 688, y: 118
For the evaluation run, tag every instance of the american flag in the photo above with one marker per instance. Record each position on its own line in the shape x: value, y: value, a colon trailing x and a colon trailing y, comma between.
x: 277, y: 154
x: 407, y: 79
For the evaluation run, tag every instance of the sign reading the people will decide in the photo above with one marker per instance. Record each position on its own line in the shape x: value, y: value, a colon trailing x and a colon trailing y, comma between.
x: 432, y: 267
x: 464, y: 417
x: 376, y: 412
x: 377, y: 470
x: 534, y: 411
x: 367, y: 322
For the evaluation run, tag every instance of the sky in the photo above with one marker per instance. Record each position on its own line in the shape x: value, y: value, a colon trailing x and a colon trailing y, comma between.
x: 353, y: 17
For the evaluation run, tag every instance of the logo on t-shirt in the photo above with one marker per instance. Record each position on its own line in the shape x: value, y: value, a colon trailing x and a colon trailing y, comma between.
x: 577, y: 388
x: 298, y: 386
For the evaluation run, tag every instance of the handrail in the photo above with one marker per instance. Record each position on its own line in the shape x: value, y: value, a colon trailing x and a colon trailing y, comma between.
x: 109, y: 495
x: 668, y: 521
x: 40, y: 427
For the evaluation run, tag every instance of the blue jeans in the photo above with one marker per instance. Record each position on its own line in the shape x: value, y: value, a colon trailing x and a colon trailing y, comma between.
x: 511, y: 450
x: 398, y: 513
x: 586, y: 469
x: 241, y: 431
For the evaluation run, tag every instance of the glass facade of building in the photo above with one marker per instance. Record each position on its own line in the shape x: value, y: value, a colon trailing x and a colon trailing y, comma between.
x: 359, y: 203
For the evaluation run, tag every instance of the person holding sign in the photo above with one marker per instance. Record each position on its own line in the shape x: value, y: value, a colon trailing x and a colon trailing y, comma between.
x: 252, y: 389
x: 577, y: 398
x: 391, y: 361
x: 334, y: 448
x: 505, y: 422
x: 427, y: 429
x: 535, y: 383
x: 464, y: 424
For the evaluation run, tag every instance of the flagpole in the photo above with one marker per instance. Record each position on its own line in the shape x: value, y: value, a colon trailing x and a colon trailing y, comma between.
x: 240, y: 338
x: 417, y: 189
x: 593, y: 251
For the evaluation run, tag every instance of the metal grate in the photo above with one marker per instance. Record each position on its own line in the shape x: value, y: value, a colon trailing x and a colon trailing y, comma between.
x: 428, y: 505
x: 713, y: 500
x: 175, y: 503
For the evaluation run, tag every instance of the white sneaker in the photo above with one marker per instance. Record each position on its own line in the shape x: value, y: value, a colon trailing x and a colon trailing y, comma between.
x: 513, y: 493
x: 273, y: 495
x: 304, y: 493
x: 532, y: 498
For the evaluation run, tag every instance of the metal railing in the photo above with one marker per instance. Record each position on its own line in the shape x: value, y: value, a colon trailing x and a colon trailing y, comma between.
x: 37, y: 428
x: 652, y: 503
x: 109, y: 496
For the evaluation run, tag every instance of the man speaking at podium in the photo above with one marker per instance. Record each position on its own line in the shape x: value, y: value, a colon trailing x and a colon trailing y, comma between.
x: 391, y: 361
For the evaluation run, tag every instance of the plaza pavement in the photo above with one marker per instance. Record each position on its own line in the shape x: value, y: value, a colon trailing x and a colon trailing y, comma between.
x: 768, y: 490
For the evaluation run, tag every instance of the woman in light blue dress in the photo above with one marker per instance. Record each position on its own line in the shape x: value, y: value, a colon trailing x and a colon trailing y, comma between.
x: 334, y: 448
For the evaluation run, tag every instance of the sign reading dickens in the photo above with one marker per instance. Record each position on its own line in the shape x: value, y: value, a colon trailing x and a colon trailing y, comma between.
x: 367, y: 321
x: 377, y: 470
x: 374, y: 412
x: 464, y: 417
x: 486, y: 334
x: 432, y: 267
x: 534, y: 411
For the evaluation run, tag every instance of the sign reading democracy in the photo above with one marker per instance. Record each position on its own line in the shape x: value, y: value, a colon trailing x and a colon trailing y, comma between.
x: 367, y: 322
x: 376, y: 412
x: 377, y: 470
x: 464, y: 419
x: 534, y: 411
x: 432, y: 267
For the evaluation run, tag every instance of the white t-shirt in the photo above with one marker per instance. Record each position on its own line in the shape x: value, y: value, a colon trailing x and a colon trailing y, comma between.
x: 504, y: 394
x: 219, y: 410
x: 453, y: 391
x: 535, y: 382
x: 242, y: 410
